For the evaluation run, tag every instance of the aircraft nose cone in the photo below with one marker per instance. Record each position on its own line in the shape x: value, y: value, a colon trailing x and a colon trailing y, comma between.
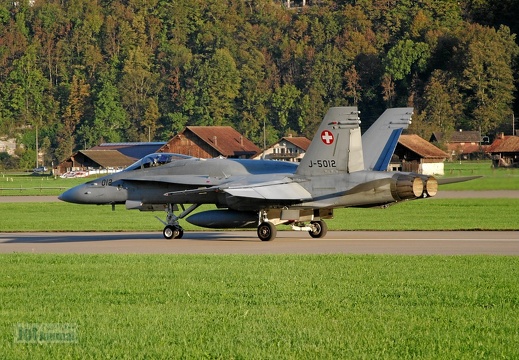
x: 77, y: 195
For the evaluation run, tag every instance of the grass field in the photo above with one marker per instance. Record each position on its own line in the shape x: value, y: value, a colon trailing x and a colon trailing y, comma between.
x: 263, y: 307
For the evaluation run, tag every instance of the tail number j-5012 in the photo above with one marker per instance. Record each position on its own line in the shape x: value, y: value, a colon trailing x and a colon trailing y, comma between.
x: 322, y: 163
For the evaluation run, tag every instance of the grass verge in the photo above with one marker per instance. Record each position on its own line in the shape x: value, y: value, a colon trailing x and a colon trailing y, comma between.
x: 268, y: 307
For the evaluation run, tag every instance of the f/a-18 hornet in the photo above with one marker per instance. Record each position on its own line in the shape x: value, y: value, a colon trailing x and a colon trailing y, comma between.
x: 335, y: 173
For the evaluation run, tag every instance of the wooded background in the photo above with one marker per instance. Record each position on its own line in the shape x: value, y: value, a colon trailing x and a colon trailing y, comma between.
x: 82, y: 72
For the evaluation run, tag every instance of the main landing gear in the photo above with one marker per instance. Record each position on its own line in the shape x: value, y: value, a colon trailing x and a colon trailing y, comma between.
x: 267, y: 230
x: 317, y: 229
x: 173, y: 230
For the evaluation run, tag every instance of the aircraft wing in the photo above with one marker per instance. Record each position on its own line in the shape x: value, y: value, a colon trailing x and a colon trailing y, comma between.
x: 196, y: 180
x: 286, y: 189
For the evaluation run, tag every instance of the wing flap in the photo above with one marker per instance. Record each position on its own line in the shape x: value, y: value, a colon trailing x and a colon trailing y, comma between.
x: 286, y: 191
x: 272, y: 190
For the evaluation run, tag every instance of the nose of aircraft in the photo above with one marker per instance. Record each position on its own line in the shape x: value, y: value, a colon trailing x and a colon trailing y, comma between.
x: 77, y: 195
x: 94, y: 193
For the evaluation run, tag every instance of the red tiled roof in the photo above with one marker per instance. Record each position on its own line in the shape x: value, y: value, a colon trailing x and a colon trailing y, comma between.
x: 422, y: 147
x: 505, y: 144
x: 224, y: 139
x: 459, y: 136
x: 299, y: 141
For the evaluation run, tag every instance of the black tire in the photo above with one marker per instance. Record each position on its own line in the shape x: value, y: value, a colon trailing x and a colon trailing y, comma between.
x: 172, y: 232
x: 267, y: 231
x: 320, y: 229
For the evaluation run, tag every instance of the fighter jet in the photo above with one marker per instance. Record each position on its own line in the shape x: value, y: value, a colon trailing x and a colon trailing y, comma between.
x: 335, y: 173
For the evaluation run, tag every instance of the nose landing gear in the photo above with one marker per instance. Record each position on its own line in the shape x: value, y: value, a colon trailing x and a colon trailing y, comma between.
x: 173, y: 230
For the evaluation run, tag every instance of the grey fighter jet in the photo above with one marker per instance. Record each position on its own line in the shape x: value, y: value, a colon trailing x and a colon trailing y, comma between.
x: 340, y: 169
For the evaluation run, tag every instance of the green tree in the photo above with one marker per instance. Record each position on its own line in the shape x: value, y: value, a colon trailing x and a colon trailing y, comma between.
x: 150, y: 120
x: 487, y: 79
x: 442, y: 106
x: 139, y: 83
x: 405, y: 56
x: 215, y: 87
x: 79, y: 93
x: 109, y: 121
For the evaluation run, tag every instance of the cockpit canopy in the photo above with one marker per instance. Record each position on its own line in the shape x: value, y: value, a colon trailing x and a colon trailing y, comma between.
x: 156, y: 159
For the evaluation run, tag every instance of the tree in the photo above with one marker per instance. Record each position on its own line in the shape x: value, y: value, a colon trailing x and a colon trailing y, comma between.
x: 285, y: 101
x: 442, y: 106
x: 353, y: 87
x: 406, y: 56
x: 109, y: 121
x: 215, y: 86
x: 139, y: 83
x: 74, y: 110
x: 151, y: 116
x: 487, y: 79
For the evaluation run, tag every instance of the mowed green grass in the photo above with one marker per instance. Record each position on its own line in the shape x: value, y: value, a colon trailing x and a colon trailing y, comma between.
x: 263, y: 307
x: 428, y: 214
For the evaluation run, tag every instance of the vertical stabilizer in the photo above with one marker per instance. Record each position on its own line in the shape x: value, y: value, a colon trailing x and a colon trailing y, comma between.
x: 380, y: 140
x: 337, y: 145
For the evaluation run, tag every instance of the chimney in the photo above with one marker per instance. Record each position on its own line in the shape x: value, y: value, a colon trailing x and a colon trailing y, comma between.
x: 215, y: 140
x: 241, y: 140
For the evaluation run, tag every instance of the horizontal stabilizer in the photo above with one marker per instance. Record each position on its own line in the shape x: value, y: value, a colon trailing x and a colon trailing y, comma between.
x: 454, y: 180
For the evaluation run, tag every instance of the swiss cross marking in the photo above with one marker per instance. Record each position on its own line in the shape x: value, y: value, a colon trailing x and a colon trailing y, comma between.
x: 327, y: 137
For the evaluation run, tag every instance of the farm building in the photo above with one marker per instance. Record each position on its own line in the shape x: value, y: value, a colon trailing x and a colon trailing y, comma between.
x: 415, y: 154
x: 106, y: 157
x: 460, y: 144
x: 289, y: 148
x: 211, y: 141
x: 504, y: 151
x: 94, y: 160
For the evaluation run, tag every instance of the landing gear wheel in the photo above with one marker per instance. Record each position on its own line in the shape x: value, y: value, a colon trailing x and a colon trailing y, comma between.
x: 266, y: 231
x: 172, y: 232
x: 320, y: 229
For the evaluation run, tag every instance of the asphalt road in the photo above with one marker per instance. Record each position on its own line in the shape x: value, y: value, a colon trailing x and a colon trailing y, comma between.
x: 287, y: 242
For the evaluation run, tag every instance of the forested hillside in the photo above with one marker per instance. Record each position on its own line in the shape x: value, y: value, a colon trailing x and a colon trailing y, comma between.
x: 81, y: 72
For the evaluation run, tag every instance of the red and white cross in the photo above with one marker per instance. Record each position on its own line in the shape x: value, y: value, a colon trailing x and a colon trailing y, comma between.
x: 327, y: 137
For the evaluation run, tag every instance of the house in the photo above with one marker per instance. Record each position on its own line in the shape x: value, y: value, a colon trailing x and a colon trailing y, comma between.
x: 415, y: 154
x: 504, y: 151
x: 94, y: 161
x: 289, y: 148
x: 460, y: 144
x: 198, y: 141
x: 211, y: 141
x: 107, y: 157
x: 135, y: 150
